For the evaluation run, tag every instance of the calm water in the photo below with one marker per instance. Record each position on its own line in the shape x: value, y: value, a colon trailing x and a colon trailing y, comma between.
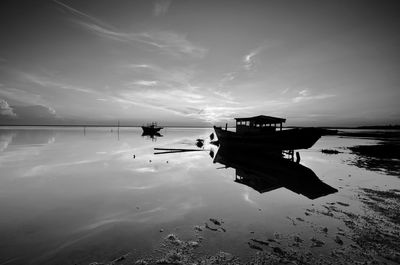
x: 72, y: 196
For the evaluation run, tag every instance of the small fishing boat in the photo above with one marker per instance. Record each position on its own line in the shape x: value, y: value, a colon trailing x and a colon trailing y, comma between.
x: 266, y: 132
x: 151, y: 128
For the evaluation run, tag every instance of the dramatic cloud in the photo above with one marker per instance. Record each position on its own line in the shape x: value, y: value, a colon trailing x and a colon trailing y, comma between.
x: 192, y: 62
x: 5, y: 109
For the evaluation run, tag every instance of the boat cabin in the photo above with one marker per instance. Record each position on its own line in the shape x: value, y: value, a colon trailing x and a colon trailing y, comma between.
x: 259, y: 124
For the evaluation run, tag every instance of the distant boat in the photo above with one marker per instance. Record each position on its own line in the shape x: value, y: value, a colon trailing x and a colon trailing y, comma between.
x: 265, y: 172
x: 264, y: 132
x: 152, y: 128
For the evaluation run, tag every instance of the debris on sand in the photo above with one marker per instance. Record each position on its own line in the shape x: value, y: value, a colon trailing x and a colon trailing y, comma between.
x: 291, y: 219
x: 343, y: 204
x: 253, y: 246
x: 278, y: 250
x: 210, y: 228
x: 198, y: 228
x: 173, y: 239
x: 184, y: 253
x: 277, y: 235
x: 297, y: 239
x: 221, y: 258
x: 194, y: 244
x: 316, y: 242
x: 141, y: 262
x: 260, y: 242
x: 215, y: 221
x: 338, y: 240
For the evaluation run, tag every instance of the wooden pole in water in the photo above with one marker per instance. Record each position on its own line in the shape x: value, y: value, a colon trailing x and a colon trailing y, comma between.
x: 118, y: 130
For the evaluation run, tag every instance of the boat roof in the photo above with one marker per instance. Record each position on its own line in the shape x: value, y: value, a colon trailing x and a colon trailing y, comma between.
x: 262, y: 118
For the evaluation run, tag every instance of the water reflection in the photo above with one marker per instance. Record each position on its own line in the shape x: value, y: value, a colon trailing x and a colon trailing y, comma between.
x: 265, y: 172
x: 69, y: 192
x: 10, y: 137
x: 152, y: 135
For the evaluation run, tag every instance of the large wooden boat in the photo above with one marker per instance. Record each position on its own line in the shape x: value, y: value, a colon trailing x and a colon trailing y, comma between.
x: 152, y: 128
x: 264, y: 132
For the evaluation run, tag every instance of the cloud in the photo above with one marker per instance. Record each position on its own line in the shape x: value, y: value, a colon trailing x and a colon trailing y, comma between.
x: 170, y: 42
x: 143, y: 66
x: 199, y: 103
x: 144, y: 83
x: 248, y: 59
x: 35, y: 112
x: 22, y: 96
x: 161, y: 7
x: 167, y: 41
x: 175, y: 90
x: 47, y: 82
x: 81, y: 14
x: 6, y: 109
x: 285, y: 91
x: 304, y: 95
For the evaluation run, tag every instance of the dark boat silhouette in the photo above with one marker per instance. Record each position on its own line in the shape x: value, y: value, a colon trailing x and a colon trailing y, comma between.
x: 151, y: 128
x: 152, y: 136
x: 265, y: 172
x: 261, y: 131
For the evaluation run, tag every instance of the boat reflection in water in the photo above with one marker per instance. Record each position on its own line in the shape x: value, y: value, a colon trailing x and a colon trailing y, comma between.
x: 265, y: 172
x: 152, y: 135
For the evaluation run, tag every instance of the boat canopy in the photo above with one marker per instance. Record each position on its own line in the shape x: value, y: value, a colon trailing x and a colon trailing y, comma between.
x: 258, y: 123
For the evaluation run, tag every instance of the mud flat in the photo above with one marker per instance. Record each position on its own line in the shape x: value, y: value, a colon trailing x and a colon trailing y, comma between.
x: 369, y: 238
x: 384, y: 157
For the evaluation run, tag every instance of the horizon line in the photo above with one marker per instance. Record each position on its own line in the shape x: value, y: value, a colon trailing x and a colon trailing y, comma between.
x: 191, y: 126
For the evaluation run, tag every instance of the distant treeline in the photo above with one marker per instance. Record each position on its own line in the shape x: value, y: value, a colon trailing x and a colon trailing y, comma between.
x: 380, y: 127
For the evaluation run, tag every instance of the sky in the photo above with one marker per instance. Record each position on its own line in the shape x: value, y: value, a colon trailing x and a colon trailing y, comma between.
x: 199, y: 63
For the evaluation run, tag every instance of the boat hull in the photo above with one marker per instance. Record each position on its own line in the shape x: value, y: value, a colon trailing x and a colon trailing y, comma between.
x: 301, y: 138
x: 151, y: 130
